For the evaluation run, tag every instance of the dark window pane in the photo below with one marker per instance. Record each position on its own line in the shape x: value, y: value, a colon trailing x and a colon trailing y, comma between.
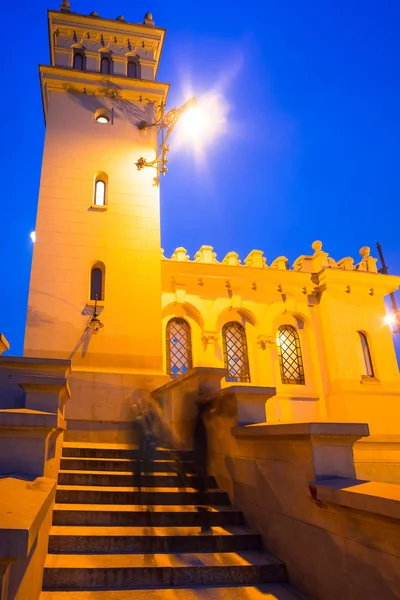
x: 235, y: 352
x: 368, y: 369
x: 78, y: 61
x: 96, y: 284
x: 105, y: 65
x: 132, y: 69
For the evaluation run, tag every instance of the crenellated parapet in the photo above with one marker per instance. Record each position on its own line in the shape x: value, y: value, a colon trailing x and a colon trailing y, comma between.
x: 313, y: 263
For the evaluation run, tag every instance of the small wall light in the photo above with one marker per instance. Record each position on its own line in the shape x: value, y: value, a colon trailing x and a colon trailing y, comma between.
x: 102, y: 115
x: 33, y: 236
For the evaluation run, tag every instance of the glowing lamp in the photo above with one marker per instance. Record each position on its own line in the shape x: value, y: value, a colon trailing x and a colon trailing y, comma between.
x: 102, y: 119
x: 33, y: 236
x: 389, y: 319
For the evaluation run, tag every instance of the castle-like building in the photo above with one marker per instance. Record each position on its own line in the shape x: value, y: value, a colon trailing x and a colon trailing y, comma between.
x: 295, y: 361
x: 313, y: 330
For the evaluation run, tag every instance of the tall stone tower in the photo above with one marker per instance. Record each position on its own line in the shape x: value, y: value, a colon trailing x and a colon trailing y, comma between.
x: 98, y: 225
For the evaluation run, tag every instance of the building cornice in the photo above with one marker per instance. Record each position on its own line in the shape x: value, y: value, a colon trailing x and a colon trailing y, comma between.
x: 63, y: 79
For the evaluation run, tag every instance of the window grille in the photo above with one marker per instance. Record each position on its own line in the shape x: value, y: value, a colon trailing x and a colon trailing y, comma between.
x: 235, y: 352
x: 179, y: 347
x: 290, y: 358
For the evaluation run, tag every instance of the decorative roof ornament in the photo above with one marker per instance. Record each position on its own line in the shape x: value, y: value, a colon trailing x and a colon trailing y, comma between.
x: 65, y: 6
x: 120, y: 18
x: 148, y: 19
x: 368, y: 263
x: 94, y: 14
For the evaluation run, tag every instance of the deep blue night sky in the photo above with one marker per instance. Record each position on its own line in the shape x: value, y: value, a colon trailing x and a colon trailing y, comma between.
x: 312, y: 148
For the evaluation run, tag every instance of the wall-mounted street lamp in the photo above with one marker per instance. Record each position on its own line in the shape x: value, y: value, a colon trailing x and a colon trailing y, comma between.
x: 165, y: 125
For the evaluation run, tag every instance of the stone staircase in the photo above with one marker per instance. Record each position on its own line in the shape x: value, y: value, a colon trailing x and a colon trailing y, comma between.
x: 104, y: 544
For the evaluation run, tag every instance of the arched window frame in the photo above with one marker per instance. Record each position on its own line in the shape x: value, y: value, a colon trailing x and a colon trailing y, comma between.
x: 78, y: 54
x: 94, y: 287
x: 236, y: 357
x: 366, y: 364
x: 132, y: 61
x: 100, y: 178
x: 179, y: 353
x: 290, y: 357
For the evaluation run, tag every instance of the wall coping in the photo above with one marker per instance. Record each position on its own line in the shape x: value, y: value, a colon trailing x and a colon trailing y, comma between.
x: 381, y: 499
x: 42, y: 366
x: 237, y: 389
x: 201, y: 372
x: 23, y: 507
x: 301, y: 428
x: 21, y: 418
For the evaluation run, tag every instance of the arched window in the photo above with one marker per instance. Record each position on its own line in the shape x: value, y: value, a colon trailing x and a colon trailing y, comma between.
x: 235, y: 352
x: 290, y: 358
x: 79, y: 60
x: 367, y: 369
x: 179, y: 347
x: 97, y: 276
x: 105, y: 65
x: 132, y: 68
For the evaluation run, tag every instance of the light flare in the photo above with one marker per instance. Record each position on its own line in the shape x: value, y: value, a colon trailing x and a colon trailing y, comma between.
x: 33, y: 236
x: 390, y: 319
x: 204, y: 121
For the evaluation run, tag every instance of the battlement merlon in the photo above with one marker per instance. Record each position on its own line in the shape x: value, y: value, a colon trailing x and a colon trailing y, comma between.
x: 310, y: 275
x: 94, y: 34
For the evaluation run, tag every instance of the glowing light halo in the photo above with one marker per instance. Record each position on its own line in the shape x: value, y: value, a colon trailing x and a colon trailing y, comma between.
x: 203, y: 122
x: 32, y: 235
x: 390, y: 319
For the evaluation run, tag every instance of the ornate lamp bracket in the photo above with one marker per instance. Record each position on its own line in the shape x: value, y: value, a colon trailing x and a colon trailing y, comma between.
x: 165, y: 125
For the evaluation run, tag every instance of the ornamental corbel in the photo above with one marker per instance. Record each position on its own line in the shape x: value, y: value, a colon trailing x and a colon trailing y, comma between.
x: 210, y: 337
x: 265, y: 341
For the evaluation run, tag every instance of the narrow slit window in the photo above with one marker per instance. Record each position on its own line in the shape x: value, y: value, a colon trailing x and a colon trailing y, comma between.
x: 79, y: 60
x: 100, y: 193
x: 97, y: 282
x: 290, y: 358
x: 235, y: 352
x: 366, y: 363
x: 105, y: 65
x: 179, y: 347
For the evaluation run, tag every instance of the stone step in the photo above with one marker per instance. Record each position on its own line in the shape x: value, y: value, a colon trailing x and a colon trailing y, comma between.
x: 104, y: 515
x: 126, y: 571
x: 113, y: 479
x: 122, y: 464
x: 87, y: 450
x: 79, y: 494
x: 150, y: 540
x: 271, y: 591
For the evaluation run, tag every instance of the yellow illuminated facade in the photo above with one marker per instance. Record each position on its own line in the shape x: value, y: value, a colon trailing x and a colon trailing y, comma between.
x: 314, y: 331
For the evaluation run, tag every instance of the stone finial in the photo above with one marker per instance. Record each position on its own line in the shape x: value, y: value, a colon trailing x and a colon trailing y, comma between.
x: 206, y: 255
x: 368, y: 263
x: 120, y: 18
x: 256, y: 259
x: 320, y: 258
x: 180, y: 255
x: 317, y: 246
x: 65, y: 6
x: 280, y: 263
x: 148, y: 19
x: 232, y: 258
x: 94, y: 14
